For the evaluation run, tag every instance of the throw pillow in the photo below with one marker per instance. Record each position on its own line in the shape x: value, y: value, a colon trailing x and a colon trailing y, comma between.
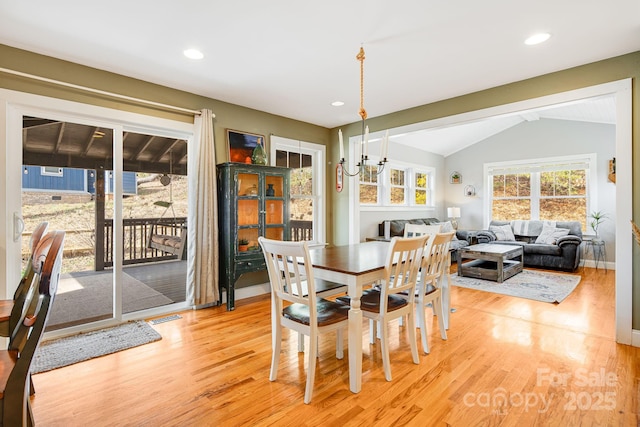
x: 503, y: 232
x: 446, y: 227
x: 550, y: 235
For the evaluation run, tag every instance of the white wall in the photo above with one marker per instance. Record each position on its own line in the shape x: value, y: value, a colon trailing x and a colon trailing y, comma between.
x: 535, y: 139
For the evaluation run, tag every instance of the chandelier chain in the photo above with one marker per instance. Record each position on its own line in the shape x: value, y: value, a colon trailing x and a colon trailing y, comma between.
x: 360, y: 57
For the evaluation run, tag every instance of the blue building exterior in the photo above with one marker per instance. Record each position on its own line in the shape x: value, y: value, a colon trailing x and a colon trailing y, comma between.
x: 70, y: 180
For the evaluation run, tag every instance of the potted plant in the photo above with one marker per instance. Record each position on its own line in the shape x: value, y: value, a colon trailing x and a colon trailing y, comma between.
x: 243, y: 245
x: 597, y: 217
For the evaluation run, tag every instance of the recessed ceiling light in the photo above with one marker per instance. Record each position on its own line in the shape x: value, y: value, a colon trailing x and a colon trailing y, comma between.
x: 537, y: 38
x: 337, y: 103
x: 193, y: 54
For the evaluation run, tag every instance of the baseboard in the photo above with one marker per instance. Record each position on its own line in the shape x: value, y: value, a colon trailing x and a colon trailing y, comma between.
x: 248, y: 291
x: 609, y: 265
x: 635, y: 338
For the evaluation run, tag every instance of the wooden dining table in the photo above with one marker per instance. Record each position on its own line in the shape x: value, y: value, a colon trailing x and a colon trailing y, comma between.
x: 354, y: 265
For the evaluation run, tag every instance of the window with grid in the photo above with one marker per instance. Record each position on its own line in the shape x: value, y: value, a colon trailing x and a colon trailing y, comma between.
x: 422, y: 188
x: 397, y: 188
x: 369, y: 190
x: 546, y: 189
x: 306, y: 186
x: 397, y: 185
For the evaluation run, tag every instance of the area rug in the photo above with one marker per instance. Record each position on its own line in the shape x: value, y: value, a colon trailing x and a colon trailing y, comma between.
x: 89, y: 296
x: 536, y: 285
x: 77, y: 348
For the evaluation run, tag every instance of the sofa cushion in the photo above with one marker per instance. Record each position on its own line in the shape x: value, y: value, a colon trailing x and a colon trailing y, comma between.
x: 550, y: 235
x: 542, y: 249
x: 446, y: 227
x: 503, y: 232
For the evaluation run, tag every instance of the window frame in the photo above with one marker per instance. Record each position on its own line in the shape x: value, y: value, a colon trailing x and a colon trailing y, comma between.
x: 45, y: 172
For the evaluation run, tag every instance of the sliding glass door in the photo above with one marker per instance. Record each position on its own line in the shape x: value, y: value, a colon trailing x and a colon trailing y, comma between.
x: 121, y: 197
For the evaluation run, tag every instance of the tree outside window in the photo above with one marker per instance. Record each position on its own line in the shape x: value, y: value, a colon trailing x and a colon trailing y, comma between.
x: 398, y: 189
x: 369, y: 185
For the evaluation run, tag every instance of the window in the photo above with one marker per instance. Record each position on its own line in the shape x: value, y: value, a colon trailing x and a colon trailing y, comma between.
x: 397, y: 186
x: 369, y: 191
x: 545, y: 189
x: 422, y: 189
x: 51, y: 171
x: 306, y: 186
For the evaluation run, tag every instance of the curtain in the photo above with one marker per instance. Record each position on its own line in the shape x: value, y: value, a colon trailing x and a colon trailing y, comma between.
x: 202, y: 269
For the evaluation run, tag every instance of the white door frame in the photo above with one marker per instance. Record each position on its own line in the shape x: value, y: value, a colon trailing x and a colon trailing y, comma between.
x: 13, y: 105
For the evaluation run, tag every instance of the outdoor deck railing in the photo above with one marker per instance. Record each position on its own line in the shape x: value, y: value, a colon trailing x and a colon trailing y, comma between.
x: 138, y: 230
x: 301, y: 230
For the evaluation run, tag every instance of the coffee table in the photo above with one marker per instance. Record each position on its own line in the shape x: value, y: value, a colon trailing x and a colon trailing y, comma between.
x: 490, y: 261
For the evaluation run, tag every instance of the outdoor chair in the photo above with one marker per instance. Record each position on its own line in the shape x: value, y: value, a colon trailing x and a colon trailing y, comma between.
x: 292, y: 282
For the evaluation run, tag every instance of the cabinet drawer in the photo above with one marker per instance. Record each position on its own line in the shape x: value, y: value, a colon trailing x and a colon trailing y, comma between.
x: 251, y: 265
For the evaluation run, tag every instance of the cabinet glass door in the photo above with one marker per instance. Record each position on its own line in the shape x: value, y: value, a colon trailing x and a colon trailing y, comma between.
x: 274, y: 207
x: 248, y: 211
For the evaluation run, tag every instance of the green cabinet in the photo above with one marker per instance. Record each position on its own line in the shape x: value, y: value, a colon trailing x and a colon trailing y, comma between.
x: 253, y: 201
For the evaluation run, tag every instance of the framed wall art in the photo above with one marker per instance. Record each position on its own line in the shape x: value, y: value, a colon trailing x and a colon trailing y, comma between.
x: 242, y: 144
x: 455, y: 178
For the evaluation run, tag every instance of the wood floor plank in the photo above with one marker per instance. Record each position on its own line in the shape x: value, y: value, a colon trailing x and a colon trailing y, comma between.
x: 506, y: 362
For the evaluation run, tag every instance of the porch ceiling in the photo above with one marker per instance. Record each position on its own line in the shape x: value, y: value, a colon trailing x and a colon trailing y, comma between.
x: 54, y: 143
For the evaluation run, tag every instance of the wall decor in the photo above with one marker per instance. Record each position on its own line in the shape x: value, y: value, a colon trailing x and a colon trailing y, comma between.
x: 456, y: 177
x: 242, y: 144
x: 469, y: 191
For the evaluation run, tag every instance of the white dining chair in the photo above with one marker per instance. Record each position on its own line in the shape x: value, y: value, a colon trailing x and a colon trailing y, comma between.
x: 385, y: 303
x: 291, y: 276
x: 429, y: 289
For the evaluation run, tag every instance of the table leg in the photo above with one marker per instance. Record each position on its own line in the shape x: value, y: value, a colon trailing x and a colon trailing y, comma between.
x: 355, y: 339
x: 446, y: 291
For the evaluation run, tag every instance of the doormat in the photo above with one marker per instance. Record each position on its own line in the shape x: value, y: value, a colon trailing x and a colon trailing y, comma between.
x: 536, y: 285
x: 84, y: 346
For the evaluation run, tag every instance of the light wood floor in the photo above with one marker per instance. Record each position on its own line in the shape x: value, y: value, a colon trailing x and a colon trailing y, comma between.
x: 507, y: 362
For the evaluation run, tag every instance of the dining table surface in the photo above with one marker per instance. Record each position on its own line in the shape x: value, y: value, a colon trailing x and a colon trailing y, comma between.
x: 354, y: 265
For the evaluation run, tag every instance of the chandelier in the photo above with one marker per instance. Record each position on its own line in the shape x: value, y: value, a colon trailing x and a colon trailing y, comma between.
x: 364, y: 141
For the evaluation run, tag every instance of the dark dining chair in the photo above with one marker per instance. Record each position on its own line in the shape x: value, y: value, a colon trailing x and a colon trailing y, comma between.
x: 15, y: 362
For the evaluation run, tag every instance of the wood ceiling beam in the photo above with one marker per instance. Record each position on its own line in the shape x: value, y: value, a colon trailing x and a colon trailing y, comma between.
x: 142, y: 147
x: 56, y: 147
x: 90, y: 142
x: 168, y: 147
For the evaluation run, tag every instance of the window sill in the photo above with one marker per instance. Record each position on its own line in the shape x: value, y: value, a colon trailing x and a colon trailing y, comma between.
x: 364, y: 208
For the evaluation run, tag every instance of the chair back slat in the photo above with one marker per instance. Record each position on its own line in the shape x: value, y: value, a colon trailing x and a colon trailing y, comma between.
x: 290, y: 271
x: 403, y: 262
x: 435, y: 258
